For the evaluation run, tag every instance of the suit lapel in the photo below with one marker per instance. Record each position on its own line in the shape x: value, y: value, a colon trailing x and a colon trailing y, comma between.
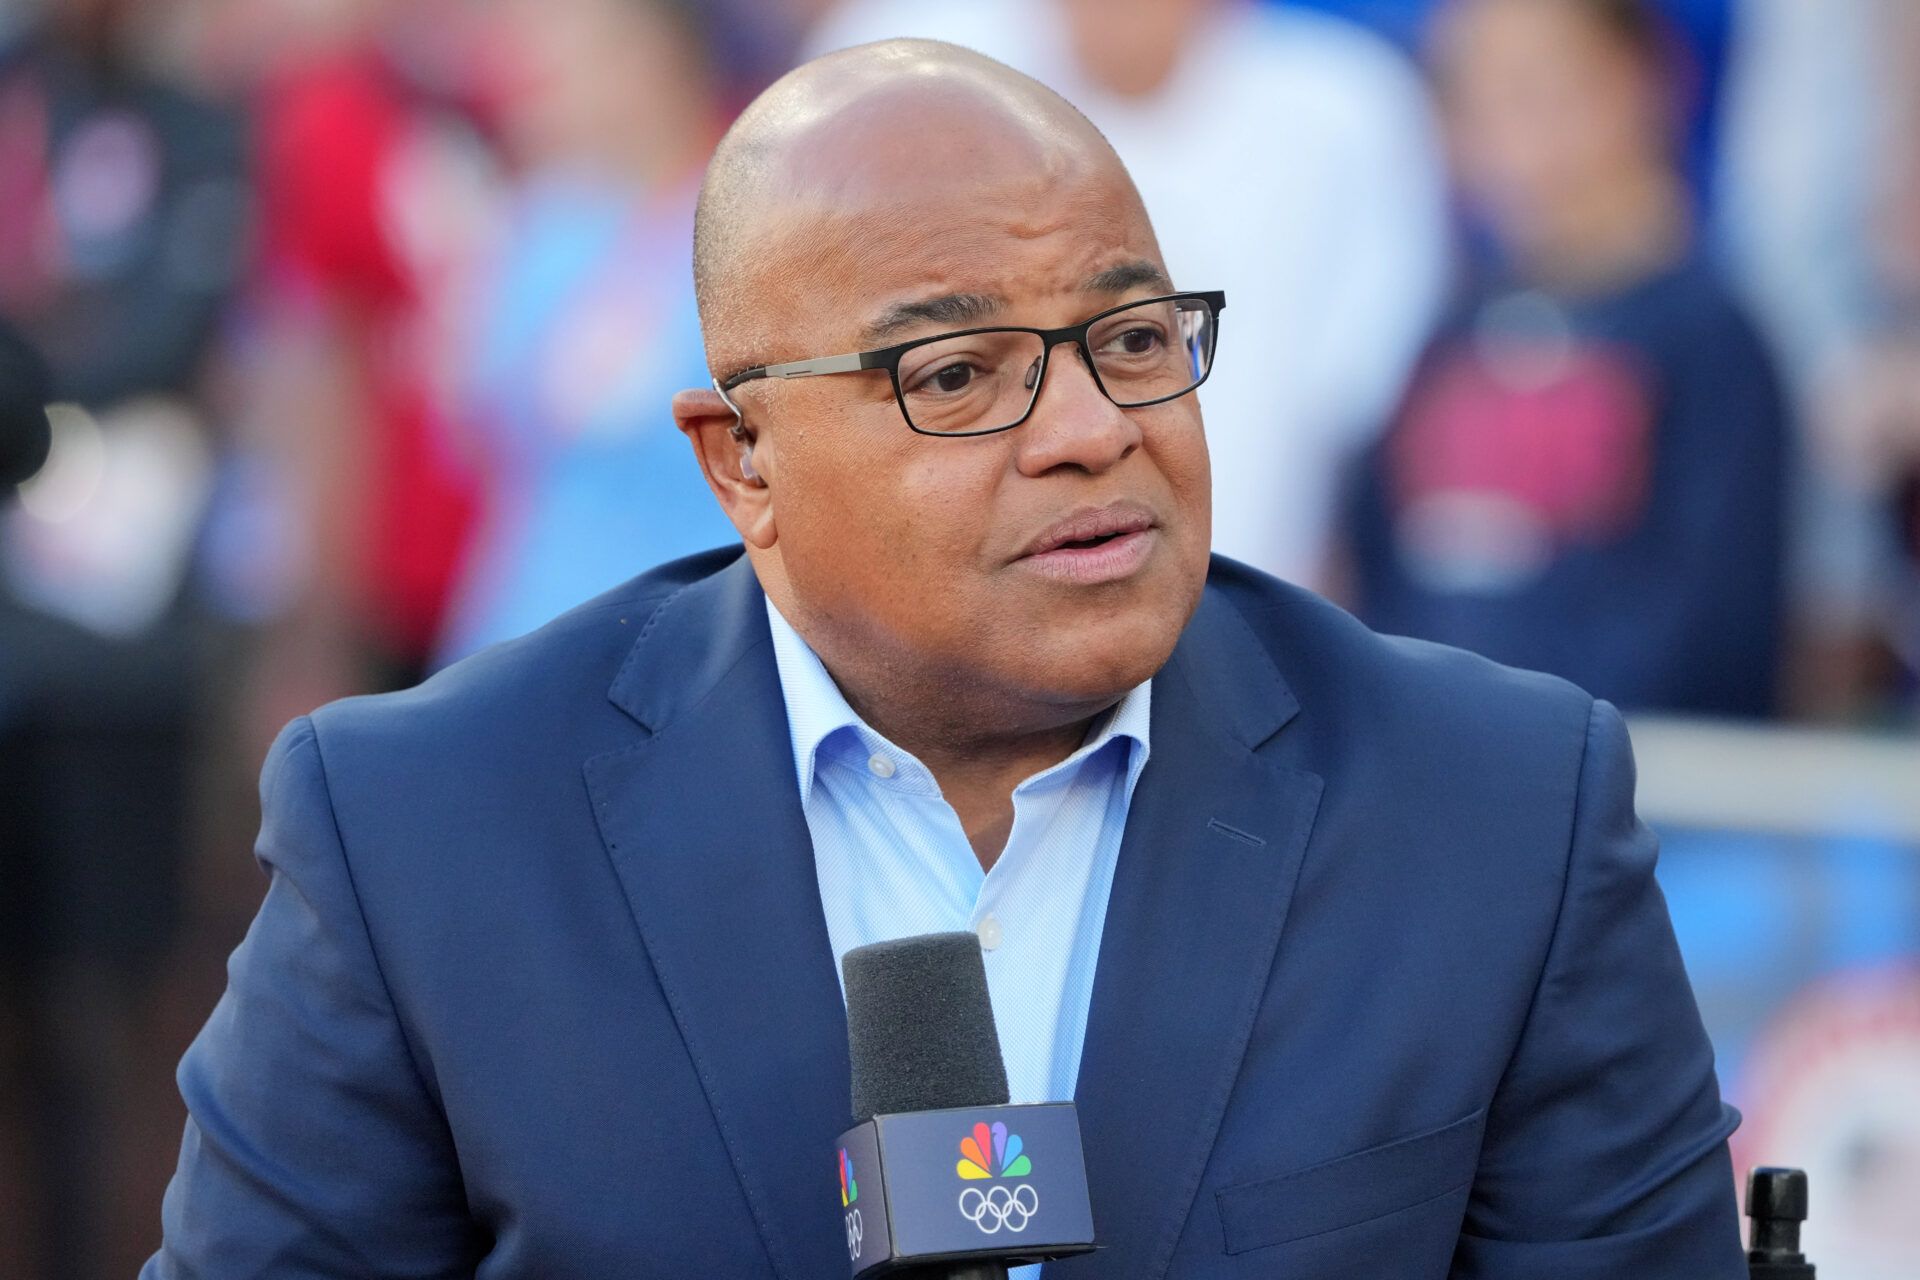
x: 703, y: 823
x: 1213, y: 847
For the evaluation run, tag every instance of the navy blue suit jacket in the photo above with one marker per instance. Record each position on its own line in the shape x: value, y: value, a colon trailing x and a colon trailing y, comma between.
x: 541, y: 985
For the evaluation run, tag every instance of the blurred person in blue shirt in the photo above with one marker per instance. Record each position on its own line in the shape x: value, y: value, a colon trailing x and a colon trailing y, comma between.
x: 584, y: 320
x: 1587, y: 475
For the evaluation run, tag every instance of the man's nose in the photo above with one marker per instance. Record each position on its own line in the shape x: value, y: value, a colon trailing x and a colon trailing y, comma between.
x: 1073, y: 424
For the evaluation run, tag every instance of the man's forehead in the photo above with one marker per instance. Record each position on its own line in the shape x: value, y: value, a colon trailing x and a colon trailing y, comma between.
x: 995, y: 232
x: 867, y: 284
x: 934, y: 309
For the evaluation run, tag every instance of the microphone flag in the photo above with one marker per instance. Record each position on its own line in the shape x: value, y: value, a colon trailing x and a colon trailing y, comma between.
x: 1000, y: 1183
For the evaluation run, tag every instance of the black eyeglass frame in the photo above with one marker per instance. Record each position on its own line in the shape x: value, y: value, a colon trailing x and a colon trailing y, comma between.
x: 888, y: 358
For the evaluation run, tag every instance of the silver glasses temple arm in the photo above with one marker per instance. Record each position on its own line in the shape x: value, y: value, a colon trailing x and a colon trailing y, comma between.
x: 811, y: 368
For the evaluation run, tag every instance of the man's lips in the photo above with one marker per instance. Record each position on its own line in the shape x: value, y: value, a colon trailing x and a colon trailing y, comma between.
x: 1093, y: 546
x: 1089, y: 528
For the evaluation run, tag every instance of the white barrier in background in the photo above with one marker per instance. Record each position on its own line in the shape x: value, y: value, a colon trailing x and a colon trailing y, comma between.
x: 1790, y: 781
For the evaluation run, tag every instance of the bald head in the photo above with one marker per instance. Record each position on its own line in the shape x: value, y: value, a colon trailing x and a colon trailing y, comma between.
x: 852, y: 146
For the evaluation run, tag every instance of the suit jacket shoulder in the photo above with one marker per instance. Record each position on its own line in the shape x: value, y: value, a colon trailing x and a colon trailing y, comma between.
x: 1444, y: 717
x: 552, y: 682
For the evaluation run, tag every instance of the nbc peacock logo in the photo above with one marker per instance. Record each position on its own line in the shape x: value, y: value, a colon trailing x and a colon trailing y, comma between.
x: 850, y: 1192
x: 989, y: 1154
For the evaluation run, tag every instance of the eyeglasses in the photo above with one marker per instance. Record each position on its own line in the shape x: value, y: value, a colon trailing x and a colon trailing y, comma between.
x: 979, y: 381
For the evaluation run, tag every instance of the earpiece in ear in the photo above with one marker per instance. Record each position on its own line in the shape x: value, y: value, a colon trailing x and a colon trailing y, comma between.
x: 745, y: 442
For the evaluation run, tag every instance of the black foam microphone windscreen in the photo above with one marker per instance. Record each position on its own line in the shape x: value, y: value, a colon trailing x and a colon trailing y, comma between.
x: 920, y: 1026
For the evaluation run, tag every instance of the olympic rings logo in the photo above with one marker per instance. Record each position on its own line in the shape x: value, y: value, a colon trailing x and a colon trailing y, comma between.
x: 999, y: 1207
x: 856, y: 1233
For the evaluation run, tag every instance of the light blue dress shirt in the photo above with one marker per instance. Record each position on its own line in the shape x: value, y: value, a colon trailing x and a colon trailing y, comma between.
x: 893, y: 860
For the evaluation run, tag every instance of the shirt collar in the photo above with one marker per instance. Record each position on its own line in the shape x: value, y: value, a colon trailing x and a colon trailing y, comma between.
x: 816, y: 710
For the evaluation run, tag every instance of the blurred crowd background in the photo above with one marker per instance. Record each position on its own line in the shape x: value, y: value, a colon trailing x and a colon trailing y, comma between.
x: 1584, y: 333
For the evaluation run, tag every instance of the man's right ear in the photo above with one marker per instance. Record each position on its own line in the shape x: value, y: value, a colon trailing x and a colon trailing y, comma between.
x: 729, y: 453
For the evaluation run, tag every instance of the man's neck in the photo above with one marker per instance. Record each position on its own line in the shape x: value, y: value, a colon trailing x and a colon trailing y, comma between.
x: 978, y: 746
x: 977, y: 771
x: 980, y: 786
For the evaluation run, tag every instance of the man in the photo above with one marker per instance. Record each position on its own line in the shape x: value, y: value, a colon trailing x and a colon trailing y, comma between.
x: 1377, y: 981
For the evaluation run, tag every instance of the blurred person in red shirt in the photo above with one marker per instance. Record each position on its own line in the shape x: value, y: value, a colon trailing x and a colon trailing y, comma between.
x: 377, y: 186
x: 1588, y: 476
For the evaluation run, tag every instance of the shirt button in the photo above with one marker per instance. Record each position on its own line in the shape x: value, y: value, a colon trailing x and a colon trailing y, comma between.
x: 881, y: 766
x: 990, y: 933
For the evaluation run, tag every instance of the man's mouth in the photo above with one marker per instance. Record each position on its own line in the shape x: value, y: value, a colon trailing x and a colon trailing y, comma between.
x: 1100, y: 544
x: 1095, y: 541
x: 1094, y: 527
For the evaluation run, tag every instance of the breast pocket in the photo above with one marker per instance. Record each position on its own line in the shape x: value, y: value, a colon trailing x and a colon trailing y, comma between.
x: 1353, y: 1190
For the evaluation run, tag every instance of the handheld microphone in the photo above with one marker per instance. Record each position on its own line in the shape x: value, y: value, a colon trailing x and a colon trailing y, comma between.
x: 940, y: 1178
x: 26, y: 436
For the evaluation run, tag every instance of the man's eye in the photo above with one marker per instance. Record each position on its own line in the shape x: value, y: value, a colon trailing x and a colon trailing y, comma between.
x: 1138, y: 341
x: 947, y: 379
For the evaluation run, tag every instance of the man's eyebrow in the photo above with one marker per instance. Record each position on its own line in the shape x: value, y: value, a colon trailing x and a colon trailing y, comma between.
x: 1129, y: 275
x: 952, y: 310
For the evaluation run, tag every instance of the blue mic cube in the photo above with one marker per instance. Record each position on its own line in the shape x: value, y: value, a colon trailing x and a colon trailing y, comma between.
x: 999, y: 1183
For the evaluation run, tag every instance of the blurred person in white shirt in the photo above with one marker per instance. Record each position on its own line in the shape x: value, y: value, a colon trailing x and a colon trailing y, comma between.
x: 1289, y: 150
x: 1819, y: 218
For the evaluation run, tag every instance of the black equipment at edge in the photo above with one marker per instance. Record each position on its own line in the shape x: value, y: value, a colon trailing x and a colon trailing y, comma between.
x: 1777, y: 1203
x: 25, y: 434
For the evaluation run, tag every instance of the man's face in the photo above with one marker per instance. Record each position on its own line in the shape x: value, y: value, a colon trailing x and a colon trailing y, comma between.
x: 937, y: 557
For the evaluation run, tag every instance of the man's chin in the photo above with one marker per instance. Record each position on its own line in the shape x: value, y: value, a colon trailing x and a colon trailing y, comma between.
x: 1099, y: 663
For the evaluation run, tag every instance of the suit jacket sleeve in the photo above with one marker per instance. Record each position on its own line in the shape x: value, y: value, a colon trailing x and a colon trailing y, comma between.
x: 1605, y: 1153
x: 312, y: 1146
